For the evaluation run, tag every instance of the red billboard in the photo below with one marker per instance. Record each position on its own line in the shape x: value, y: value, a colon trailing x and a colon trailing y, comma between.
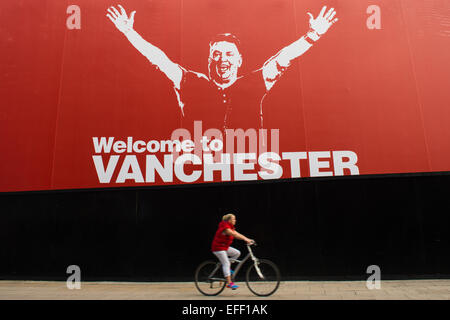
x: 98, y: 94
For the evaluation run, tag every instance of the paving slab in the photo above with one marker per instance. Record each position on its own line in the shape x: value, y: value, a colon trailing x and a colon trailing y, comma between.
x: 288, y: 290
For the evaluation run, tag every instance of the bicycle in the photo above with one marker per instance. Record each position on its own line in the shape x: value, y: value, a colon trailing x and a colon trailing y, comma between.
x: 262, y: 277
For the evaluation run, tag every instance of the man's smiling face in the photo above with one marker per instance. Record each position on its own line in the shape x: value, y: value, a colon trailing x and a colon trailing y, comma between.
x: 224, y: 61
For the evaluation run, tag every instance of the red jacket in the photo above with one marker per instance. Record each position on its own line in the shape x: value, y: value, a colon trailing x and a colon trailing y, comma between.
x: 221, y: 241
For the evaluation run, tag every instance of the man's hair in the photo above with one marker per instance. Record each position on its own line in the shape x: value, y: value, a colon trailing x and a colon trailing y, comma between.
x: 227, y: 217
x: 228, y: 37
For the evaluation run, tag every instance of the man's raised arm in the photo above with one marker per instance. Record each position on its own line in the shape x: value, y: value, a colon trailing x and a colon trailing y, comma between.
x: 155, y: 55
x: 273, y: 67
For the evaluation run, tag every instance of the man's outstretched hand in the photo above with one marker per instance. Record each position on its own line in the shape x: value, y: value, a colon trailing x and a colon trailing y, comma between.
x: 323, y: 21
x: 120, y: 19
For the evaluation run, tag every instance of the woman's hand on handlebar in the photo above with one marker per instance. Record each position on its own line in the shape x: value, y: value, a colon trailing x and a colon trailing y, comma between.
x: 250, y: 242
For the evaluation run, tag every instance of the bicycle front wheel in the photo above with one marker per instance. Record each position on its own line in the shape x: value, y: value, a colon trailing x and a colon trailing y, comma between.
x: 209, y: 279
x: 263, y: 278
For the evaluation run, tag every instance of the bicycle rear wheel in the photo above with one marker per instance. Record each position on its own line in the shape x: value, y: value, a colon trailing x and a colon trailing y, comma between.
x: 265, y: 282
x: 209, y: 279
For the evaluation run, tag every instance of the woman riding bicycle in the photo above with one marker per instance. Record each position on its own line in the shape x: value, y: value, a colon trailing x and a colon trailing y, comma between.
x: 221, y: 245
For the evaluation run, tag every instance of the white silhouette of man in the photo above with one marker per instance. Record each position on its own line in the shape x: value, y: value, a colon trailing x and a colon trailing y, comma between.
x: 223, y: 99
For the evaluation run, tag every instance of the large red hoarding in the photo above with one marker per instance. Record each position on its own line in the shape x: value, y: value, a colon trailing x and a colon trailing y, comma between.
x: 97, y: 94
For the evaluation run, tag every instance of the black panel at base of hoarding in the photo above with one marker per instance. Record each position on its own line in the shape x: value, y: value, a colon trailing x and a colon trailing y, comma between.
x: 316, y: 229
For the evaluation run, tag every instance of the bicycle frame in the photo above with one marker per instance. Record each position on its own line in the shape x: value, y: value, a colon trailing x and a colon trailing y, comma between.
x: 239, y: 266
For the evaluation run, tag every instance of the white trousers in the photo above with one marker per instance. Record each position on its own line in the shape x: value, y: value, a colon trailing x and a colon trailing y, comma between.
x: 223, y: 258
